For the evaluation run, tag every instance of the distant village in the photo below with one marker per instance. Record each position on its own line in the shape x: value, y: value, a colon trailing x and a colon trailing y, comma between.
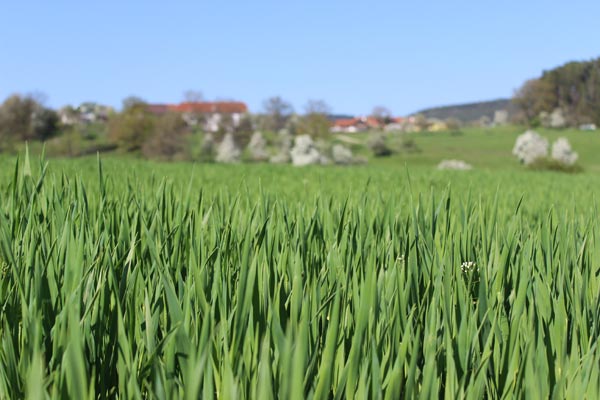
x: 227, y: 131
x: 208, y: 116
x: 230, y: 133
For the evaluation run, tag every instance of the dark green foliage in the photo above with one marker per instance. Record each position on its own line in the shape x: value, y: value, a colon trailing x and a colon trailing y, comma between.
x: 24, y: 118
x: 131, y: 128
x: 573, y: 87
x: 169, y: 139
x: 550, y: 164
x: 315, y: 125
x: 378, y: 146
x: 277, y: 111
x: 314, y: 122
x: 470, y: 112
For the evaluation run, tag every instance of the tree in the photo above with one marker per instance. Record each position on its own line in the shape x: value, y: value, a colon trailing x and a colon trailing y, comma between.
x: 453, y: 124
x: 576, y: 89
x: 193, y: 96
x: 130, y: 129
x: 421, y: 123
x: 15, y: 117
x: 315, y: 122
x: 133, y: 102
x: 378, y: 146
x: 24, y: 118
x: 44, y: 123
x: 317, y: 107
x: 243, y: 130
x: 535, y: 96
x: 71, y: 115
x: 194, y: 118
x: 226, y: 124
x: 277, y: 112
x: 169, y: 139
x: 382, y: 114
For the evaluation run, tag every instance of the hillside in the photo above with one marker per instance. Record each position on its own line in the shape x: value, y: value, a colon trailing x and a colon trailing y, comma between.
x: 573, y: 88
x: 469, y: 112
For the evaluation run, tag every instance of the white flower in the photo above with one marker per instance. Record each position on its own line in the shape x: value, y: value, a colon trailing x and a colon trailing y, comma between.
x: 469, y: 266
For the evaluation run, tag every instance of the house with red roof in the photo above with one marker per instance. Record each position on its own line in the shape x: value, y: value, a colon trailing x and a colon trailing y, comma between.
x: 209, y: 113
x: 353, y: 125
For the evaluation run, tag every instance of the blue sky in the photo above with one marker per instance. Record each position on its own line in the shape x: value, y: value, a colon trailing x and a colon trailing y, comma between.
x: 405, y: 55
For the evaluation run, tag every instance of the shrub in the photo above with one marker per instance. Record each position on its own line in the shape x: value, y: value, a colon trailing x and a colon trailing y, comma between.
x: 550, y: 164
x: 563, y: 153
x: 24, y: 118
x: 169, y: 139
x: 378, y: 146
x: 228, y: 151
x: 132, y: 127
x: 408, y: 145
x: 530, y: 146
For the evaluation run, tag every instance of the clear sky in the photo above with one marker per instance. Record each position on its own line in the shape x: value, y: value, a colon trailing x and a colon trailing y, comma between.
x: 405, y: 55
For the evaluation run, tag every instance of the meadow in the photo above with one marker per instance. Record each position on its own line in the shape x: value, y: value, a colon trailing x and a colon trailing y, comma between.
x: 124, y: 278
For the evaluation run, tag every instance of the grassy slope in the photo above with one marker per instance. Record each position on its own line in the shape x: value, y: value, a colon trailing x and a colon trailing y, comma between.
x: 491, y: 148
x: 483, y: 148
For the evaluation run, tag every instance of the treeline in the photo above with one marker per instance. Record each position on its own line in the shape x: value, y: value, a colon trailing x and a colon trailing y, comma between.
x: 175, y: 135
x: 135, y: 129
x: 573, y: 89
x: 26, y: 118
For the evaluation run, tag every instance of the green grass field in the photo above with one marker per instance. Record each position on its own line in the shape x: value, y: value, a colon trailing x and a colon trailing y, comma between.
x: 491, y: 148
x: 135, y: 279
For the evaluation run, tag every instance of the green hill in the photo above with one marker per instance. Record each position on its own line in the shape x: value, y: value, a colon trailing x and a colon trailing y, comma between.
x: 469, y: 112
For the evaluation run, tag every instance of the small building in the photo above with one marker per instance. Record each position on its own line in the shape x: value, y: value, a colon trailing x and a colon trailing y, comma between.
x: 85, y: 113
x: 436, y: 125
x: 208, y: 114
x: 500, y: 117
x: 396, y: 124
x: 157, y: 109
x: 587, y: 127
x: 353, y: 125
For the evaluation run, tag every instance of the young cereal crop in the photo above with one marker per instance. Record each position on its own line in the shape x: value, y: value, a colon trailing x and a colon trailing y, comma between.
x: 127, y: 286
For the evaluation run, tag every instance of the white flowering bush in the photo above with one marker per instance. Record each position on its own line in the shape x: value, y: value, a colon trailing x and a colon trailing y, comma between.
x: 341, y: 154
x: 257, y: 148
x: 228, y: 152
x: 563, y: 153
x: 285, y: 141
x: 532, y: 150
x: 530, y: 147
x: 305, y: 152
x: 457, y: 165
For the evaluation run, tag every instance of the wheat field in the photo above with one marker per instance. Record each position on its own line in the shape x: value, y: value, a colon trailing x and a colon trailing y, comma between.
x: 129, y: 279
